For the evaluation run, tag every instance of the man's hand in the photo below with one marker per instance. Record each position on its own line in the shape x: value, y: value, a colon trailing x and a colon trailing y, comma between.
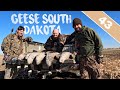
x: 7, y: 58
x: 28, y: 39
x: 75, y: 53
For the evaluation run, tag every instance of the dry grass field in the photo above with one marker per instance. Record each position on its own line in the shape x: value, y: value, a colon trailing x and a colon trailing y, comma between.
x: 110, y: 67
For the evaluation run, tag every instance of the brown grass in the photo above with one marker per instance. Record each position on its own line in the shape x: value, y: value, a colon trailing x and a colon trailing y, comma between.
x: 110, y: 68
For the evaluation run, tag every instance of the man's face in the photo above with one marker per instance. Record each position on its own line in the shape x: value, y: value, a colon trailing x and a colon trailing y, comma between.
x: 77, y: 27
x: 55, y: 33
x: 20, y: 33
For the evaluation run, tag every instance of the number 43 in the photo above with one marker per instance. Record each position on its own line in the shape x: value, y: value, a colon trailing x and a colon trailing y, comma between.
x: 106, y: 25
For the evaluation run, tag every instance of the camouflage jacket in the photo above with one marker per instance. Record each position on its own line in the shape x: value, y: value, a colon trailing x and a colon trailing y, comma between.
x: 12, y: 46
x: 88, y: 43
x: 55, y: 44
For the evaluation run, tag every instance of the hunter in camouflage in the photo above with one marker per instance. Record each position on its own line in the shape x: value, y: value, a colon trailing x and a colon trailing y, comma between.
x: 88, y: 49
x: 12, y: 47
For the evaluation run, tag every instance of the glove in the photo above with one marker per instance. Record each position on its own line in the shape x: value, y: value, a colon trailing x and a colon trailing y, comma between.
x: 7, y: 58
x: 99, y: 58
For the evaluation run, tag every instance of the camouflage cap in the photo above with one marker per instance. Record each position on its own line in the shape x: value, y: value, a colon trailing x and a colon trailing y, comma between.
x: 20, y: 28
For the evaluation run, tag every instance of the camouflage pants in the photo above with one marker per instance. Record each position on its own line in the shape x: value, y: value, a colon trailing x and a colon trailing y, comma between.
x: 10, y: 71
x: 88, y: 64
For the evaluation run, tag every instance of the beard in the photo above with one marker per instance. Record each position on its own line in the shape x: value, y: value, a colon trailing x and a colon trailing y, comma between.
x: 78, y: 29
